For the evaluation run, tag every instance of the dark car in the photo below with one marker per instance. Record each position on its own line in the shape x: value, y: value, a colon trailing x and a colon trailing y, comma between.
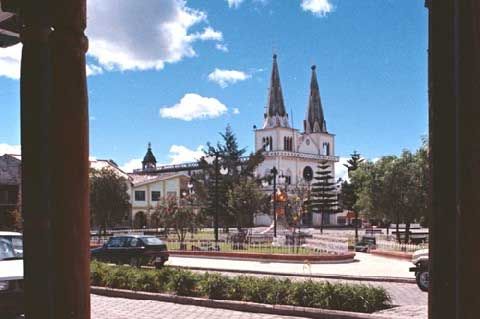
x: 366, y: 243
x: 136, y: 250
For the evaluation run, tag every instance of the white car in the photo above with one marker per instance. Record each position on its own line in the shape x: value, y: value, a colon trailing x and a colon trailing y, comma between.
x: 420, y: 260
x: 11, y: 274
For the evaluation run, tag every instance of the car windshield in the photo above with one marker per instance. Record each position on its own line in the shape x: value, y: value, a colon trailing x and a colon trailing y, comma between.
x: 6, y: 249
x: 152, y: 241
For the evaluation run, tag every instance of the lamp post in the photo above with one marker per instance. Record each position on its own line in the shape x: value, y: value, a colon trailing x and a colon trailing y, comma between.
x: 214, y: 159
x: 274, y: 172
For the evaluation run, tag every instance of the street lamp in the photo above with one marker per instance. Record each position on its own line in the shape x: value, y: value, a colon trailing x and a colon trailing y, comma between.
x: 274, y: 172
x: 214, y: 159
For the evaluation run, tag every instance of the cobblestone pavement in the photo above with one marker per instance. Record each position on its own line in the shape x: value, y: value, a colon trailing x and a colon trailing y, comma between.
x: 120, y: 308
x: 411, y: 312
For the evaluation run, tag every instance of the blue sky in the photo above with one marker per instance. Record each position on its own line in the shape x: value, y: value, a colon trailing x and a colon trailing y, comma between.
x: 371, y: 58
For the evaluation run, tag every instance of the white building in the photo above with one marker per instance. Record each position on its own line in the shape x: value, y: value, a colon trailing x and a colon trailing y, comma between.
x: 294, y: 153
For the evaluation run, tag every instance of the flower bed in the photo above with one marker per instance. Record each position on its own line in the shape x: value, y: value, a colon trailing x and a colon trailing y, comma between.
x: 338, y: 296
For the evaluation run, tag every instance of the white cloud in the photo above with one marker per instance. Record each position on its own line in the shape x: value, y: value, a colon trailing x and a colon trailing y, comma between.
x: 140, y: 35
x: 236, y: 111
x: 227, y: 77
x: 208, y: 34
x: 10, y: 61
x: 10, y: 149
x: 340, y: 170
x: 317, y: 7
x: 93, y: 69
x: 234, y: 3
x: 221, y: 47
x: 132, y: 164
x: 181, y: 154
x: 193, y: 106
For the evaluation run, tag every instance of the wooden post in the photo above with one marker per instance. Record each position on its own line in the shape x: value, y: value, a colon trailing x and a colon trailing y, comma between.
x: 35, y: 89
x: 454, y: 88
x: 442, y: 140
x: 467, y: 75
x: 69, y: 164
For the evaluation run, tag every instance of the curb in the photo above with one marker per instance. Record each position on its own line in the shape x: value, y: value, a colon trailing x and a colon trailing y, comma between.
x: 274, y: 257
x: 236, y: 305
x: 324, y: 276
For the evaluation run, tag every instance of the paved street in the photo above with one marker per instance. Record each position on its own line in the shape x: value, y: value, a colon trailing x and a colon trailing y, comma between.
x: 365, y: 265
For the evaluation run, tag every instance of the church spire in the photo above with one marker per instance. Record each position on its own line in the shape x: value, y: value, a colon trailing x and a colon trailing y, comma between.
x: 314, y: 121
x: 275, y: 114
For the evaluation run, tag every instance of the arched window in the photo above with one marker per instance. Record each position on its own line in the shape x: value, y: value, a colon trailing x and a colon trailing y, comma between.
x: 270, y: 143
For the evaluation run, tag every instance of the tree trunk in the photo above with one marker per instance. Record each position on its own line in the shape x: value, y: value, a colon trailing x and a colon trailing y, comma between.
x: 398, y: 228
x: 407, y: 232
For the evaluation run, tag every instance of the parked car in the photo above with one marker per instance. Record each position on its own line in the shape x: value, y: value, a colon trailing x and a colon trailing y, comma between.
x: 11, y: 275
x: 420, y: 260
x: 366, y: 244
x: 136, y: 250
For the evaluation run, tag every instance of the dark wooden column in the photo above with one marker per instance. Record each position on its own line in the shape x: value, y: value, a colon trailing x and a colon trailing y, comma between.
x: 467, y: 59
x: 69, y: 163
x: 454, y: 84
x: 35, y: 111
x: 442, y: 139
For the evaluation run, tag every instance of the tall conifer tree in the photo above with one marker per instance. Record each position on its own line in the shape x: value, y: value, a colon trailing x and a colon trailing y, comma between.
x: 323, y: 198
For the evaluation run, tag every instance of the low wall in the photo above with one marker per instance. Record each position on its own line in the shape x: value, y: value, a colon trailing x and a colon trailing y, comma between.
x: 392, y: 254
x: 347, y: 257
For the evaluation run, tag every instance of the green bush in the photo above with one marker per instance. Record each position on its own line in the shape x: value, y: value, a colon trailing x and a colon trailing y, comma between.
x: 184, y: 283
x: 215, y: 286
x: 336, y: 296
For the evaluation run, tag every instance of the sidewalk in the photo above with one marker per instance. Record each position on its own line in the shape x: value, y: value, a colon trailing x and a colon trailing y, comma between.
x: 365, y: 266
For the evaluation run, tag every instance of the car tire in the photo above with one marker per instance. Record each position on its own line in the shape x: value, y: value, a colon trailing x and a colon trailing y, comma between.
x: 422, y: 278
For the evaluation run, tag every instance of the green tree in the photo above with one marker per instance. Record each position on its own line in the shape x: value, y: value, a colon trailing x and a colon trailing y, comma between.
x: 179, y: 215
x: 215, y: 189
x: 394, y: 189
x: 109, y: 199
x: 246, y: 199
x: 323, y: 198
x: 348, y: 196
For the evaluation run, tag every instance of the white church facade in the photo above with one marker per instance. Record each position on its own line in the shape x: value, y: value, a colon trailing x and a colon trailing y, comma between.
x: 294, y: 153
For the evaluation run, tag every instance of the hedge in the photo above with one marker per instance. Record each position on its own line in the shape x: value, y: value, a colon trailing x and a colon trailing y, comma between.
x: 268, y: 290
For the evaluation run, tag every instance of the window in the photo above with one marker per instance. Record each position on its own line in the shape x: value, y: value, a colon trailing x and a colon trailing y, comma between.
x: 326, y: 149
x: 140, y: 196
x: 155, y: 196
x: 116, y: 242
x: 308, y: 173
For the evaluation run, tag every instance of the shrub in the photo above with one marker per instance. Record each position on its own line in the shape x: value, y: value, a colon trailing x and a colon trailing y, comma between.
x: 183, y: 283
x: 336, y: 296
x: 97, y: 273
x: 119, y: 277
x: 163, y: 277
x: 215, y: 286
x: 144, y: 281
